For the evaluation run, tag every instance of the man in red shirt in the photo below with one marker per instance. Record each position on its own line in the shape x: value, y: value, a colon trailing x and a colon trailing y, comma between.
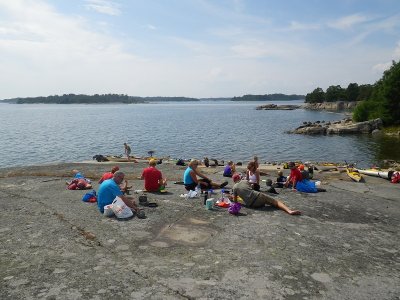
x: 294, y: 177
x: 109, y: 175
x: 153, y: 181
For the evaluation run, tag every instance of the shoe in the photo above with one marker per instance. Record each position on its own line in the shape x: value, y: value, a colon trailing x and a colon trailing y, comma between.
x: 224, y: 184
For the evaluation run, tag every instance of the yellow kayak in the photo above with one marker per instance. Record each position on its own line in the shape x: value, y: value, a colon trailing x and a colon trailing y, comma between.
x: 354, y: 174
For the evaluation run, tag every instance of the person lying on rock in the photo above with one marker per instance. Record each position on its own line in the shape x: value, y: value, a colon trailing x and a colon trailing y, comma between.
x: 109, y: 189
x: 255, y: 199
x: 190, y: 179
x: 79, y: 182
x: 153, y: 179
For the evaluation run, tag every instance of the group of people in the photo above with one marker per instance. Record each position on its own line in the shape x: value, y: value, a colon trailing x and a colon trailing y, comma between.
x: 113, y: 184
x: 247, y: 188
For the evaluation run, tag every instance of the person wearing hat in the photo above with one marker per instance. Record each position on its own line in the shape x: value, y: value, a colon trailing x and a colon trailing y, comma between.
x: 294, y: 177
x: 256, y: 199
x: 153, y: 180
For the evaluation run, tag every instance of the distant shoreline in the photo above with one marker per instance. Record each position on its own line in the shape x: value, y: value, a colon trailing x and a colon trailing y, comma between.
x: 125, y: 99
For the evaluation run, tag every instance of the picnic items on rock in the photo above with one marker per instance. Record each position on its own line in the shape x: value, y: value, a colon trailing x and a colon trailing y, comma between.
x: 120, y: 209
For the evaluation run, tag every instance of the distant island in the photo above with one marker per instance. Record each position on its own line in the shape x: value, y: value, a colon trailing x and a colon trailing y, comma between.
x: 120, y: 98
x: 93, y: 99
x: 269, y: 97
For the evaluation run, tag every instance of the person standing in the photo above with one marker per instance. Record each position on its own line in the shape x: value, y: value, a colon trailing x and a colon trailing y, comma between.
x: 127, y: 151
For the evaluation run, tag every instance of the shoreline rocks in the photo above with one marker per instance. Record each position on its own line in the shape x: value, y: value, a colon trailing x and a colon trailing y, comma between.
x: 345, y: 126
x: 331, y: 106
x: 277, y: 107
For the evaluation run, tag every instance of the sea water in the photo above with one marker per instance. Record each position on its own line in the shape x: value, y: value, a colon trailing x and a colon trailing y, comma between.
x: 33, y: 134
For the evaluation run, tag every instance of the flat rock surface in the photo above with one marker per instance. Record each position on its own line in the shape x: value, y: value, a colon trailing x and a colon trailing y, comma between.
x: 54, y: 246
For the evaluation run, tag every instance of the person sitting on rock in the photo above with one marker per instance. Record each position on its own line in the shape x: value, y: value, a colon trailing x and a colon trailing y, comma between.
x: 255, y: 199
x: 109, y: 189
x: 294, y: 177
x: 280, y: 180
x: 108, y: 175
x: 253, y: 175
x: 191, y: 182
x: 153, y: 180
x: 229, y: 169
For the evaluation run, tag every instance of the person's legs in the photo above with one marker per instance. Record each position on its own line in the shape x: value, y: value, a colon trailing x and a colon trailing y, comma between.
x: 219, y: 186
x: 190, y: 187
x: 278, y: 204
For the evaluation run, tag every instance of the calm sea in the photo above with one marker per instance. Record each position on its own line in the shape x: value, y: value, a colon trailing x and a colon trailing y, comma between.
x: 35, y: 134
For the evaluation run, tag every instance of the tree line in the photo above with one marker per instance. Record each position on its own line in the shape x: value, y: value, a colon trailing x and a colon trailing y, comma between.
x: 380, y: 100
x: 93, y: 99
x: 353, y: 92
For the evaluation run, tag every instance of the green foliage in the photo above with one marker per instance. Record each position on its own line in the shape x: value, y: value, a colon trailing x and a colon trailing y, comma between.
x: 364, y: 92
x: 335, y: 93
x: 88, y: 99
x: 317, y: 96
x: 352, y: 92
x: 384, y: 100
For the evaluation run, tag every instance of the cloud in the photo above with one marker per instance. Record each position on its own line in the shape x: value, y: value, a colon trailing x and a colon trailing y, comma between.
x: 380, y: 68
x: 151, y: 27
x: 296, y: 26
x: 103, y: 7
x: 350, y: 21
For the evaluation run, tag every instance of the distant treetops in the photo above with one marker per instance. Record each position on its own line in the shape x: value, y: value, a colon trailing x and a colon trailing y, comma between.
x: 380, y: 100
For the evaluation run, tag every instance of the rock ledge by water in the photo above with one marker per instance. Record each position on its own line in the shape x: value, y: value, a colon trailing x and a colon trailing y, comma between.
x: 345, y: 126
x: 277, y: 107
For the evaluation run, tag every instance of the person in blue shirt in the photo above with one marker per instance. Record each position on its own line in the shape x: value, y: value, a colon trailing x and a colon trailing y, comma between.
x: 190, y: 178
x: 109, y: 189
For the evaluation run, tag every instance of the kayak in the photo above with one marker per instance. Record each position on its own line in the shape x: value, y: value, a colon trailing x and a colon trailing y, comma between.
x: 376, y: 173
x: 353, y: 174
x: 121, y: 159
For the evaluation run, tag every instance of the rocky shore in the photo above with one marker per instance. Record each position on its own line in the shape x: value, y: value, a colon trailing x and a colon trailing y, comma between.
x: 277, y: 107
x: 345, y: 126
x: 331, y: 106
x: 54, y: 246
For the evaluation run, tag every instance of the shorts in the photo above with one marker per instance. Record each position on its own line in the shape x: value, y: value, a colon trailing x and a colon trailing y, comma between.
x: 191, y: 187
x: 261, y: 200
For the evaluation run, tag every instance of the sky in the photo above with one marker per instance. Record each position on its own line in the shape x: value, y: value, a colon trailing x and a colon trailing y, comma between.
x: 193, y: 48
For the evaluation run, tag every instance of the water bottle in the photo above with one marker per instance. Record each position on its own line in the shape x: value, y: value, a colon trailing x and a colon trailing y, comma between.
x: 205, y: 198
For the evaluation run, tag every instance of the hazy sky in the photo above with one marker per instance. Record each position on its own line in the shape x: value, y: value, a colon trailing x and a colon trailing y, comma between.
x: 193, y: 48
